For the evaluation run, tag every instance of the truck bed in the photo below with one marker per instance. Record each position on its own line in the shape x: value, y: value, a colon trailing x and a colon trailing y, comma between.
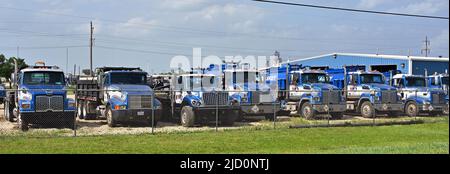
x: 87, y: 90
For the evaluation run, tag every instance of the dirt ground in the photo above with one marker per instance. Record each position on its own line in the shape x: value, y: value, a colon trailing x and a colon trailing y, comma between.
x: 100, y: 127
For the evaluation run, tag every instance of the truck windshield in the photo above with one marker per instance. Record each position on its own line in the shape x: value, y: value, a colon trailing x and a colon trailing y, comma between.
x: 371, y: 78
x: 43, y: 78
x: 314, y: 78
x: 198, y: 82
x: 246, y: 77
x: 128, y: 78
x: 415, y: 82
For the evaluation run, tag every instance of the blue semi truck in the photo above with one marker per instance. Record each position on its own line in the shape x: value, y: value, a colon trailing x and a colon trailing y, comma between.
x: 307, y: 92
x: 418, y: 97
x: 440, y: 81
x: 196, y: 98
x: 366, y: 92
x: 39, y: 97
x: 119, y: 94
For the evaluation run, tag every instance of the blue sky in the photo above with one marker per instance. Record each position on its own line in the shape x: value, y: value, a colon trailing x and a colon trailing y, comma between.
x: 149, y: 33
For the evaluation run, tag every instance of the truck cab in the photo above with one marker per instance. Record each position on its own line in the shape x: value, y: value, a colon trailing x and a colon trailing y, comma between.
x: 440, y: 81
x: 121, y: 95
x: 367, y: 91
x: 39, y: 96
x: 254, y: 96
x: 199, y: 97
x: 418, y: 97
x: 311, y: 94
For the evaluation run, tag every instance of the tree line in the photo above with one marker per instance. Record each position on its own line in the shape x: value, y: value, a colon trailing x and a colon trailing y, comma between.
x: 7, y: 65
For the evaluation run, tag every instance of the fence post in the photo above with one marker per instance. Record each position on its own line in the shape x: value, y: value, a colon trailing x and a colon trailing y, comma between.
x: 217, y: 111
x: 153, y: 112
x: 76, y: 113
x: 374, y: 114
x: 275, y: 114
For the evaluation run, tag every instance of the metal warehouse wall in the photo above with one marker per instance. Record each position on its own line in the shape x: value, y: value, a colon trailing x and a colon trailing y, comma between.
x: 342, y: 60
x: 432, y: 67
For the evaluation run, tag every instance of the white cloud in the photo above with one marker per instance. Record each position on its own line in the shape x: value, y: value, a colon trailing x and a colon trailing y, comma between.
x: 427, y: 7
x: 182, y: 4
x: 134, y: 27
x: 370, y: 4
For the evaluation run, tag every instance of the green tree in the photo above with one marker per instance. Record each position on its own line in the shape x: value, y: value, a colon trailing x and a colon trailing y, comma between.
x: 7, y: 65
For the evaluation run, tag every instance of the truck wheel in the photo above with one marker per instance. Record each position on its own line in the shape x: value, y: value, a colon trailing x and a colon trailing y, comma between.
x: 23, y: 125
x: 109, y: 117
x: 308, y: 111
x: 337, y: 115
x: 187, y: 116
x: 229, y: 118
x: 367, y: 110
x: 80, y: 110
x: 411, y: 109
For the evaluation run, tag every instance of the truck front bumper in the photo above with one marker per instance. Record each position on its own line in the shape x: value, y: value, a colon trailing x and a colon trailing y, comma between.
x: 330, y: 108
x: 260, y: 109
x: 48, y: 118
x: 433, y: 107
x: 136, y: 115
x: 210, y: 111
x: 389, y: 107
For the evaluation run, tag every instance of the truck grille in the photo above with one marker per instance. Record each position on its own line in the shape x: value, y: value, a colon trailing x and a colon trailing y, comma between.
x: 140, y: 102
x: 215, y: 98
x: 49, y: 103
x: 438, y: 98
x: 331, y: 96
x: 389, y: 97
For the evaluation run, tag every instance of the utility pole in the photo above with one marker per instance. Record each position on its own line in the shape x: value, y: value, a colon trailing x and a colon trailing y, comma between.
x: 74, y: 69
x: 427, y: 48
x: 91, y: 44
x: 67, y: 60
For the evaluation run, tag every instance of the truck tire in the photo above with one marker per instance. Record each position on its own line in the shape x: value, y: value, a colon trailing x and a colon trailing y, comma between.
x: 23, y: 125
x: 229, y: 118
x: 307, y: 111
x: 366, y: 110
x: 411, y: 109
x: 187, y: 116
x: 109, y: 117
x: 86, y: 109
x: 337, y: 115
x: 80, y: 110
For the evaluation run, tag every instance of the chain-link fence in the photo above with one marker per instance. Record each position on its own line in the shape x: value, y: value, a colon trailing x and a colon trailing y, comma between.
x: 86, y: 112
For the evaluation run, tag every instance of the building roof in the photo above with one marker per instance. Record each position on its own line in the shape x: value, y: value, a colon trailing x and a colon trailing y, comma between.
x: 443, y: 59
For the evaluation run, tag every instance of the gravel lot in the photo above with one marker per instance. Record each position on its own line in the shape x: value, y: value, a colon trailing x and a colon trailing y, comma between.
x: 100, y: 127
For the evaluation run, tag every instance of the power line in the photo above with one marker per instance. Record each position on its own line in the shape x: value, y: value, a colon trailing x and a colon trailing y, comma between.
x: 351, y: 10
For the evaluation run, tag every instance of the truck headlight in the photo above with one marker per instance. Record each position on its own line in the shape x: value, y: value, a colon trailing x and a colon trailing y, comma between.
x: 71, y: 104
x: 317, y: 99
x: 118, y: 95
x: 25, y: 95
x: 25, y: 105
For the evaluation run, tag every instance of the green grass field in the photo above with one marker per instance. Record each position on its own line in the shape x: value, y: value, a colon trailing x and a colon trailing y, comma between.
x: 417, y: 139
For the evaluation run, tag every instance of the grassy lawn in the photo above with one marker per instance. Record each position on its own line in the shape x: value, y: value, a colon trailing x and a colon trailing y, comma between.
x: 423, y: 138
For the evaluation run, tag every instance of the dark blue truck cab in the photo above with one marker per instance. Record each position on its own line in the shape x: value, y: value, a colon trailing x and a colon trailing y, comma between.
x: 39, y: 96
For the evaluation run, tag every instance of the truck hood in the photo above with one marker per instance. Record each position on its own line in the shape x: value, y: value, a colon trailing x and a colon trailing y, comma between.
x: 44, y: 89
x: 133, y: 89
x: 323, y: 86
x: 378, y: 86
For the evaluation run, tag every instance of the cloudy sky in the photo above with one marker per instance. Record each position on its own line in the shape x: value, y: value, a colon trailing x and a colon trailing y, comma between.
x: 148, y: 33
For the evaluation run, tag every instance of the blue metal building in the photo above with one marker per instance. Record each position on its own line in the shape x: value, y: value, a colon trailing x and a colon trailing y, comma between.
x: 383, y: 63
